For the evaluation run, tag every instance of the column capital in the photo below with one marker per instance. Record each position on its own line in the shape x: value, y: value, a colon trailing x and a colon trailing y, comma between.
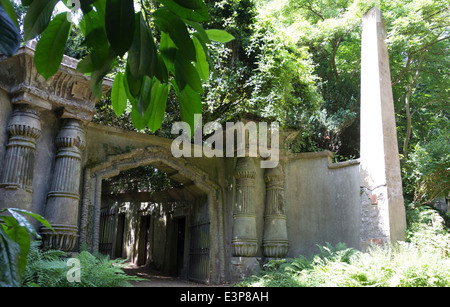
x: 71, y: 135
x: 245, y: 168
x: 24, y: 128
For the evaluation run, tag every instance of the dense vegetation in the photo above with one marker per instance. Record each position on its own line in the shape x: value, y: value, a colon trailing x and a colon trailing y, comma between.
x: 422, y: 261
x: 50, y: 269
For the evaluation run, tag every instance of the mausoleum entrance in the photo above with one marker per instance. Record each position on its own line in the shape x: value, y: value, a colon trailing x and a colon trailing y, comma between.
x: 157, y: 222
x: 166, y: 221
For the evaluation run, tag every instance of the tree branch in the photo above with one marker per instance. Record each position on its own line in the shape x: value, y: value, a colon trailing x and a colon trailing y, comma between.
x: 411, y: 56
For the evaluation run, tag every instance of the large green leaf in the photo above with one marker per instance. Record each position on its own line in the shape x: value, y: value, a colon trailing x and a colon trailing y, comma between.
x: 20, y: 230
x: 201, y: 63
x: 161, y: 72
x: 86, y: 65
x: 20, y: 236
x: 119, y: 23
x: 145, y: 97
x: 95, y: 38
x: 98, y: 44
x: 176, y: 28
x: 50, y: 48
x: 220, y: 36
x: 168, y: 51
x: 9, y: 34
x: 86, y: 5
x: 194, y: 10
x: 9, y: 260
x: 137, y: 119
x: 142, y: 56
x: 190, y: 104
x: 157, y: 106
x: 203, y: 36
x: 186, y: 74
x: 151, y: 105
x: 97, y: 76
x: 133, y: 85
x: 9, y: 9
x: 203, y: 43
x: 119, y: 95
x: 38, y: 16
x: 36, y: 216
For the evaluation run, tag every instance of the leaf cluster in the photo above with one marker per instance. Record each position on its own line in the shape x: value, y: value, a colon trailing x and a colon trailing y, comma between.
x: 15, y: 240
x: 49, y: 269
x: 163, y: 46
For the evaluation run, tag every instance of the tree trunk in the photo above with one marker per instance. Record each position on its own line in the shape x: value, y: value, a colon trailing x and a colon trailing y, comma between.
x: 408, y: 110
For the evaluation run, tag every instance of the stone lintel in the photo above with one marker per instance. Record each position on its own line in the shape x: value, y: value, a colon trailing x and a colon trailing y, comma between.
x: 67, y: 92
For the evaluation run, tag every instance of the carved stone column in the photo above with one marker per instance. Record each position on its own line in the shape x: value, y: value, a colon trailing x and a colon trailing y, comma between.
x: 16, y: 186
x: 275, y: 240
x: 63, y: 198
x: 244, y: 242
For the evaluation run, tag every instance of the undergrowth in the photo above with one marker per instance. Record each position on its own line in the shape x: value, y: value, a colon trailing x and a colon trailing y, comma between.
x: 49, y: 269
x: 423, y: 260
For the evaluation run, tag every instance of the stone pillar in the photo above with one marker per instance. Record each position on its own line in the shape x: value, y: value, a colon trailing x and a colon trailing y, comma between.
x: 16, y: 186
x: 275, y: 241
x: 63, y: 198
x: 383, y: 213
x: 244, y: 242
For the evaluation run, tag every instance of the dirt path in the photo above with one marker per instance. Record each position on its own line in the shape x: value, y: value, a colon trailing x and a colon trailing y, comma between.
x: 156, y: 279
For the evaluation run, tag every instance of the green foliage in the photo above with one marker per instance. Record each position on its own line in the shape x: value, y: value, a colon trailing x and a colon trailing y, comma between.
x: 51, y: 46
x: 426, y: 173
x: 119, y: 24
x: 117, y: 31
x: 49, y: 269
x: 9, y: 30
x: 38, y: 17
x: 45, y: 268
x: 261, y: 75
x: 143, y: 179
x: 422, y: 261
x: 15, y: 240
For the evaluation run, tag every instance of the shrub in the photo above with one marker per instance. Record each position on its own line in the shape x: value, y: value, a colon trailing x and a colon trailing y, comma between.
x: 49, y: 269
x: 422, y: 261
x: 427, y: 171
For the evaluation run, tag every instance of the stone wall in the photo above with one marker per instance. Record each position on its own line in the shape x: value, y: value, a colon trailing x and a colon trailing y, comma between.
x: 322, y: 202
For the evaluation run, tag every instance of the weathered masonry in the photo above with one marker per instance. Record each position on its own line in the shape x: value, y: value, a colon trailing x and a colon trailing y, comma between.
x: 228, y: 214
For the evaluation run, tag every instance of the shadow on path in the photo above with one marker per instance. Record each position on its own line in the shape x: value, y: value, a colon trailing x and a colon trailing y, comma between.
x: 156, y: 279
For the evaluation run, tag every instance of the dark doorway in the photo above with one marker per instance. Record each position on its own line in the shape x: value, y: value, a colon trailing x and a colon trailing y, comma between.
x: 180, y: 244
x: 143, y: 239
x: 118, y: 251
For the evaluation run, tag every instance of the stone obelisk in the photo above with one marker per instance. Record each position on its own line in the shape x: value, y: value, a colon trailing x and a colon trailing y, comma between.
x: 383, y: 213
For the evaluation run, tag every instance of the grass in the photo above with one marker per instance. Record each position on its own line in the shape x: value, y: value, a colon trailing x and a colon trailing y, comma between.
x: 423, y: 260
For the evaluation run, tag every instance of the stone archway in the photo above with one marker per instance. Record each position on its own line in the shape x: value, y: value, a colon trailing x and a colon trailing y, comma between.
x: 180, y: 170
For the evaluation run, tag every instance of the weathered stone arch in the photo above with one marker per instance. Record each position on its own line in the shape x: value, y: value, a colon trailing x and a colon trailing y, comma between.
x: 161, y: 158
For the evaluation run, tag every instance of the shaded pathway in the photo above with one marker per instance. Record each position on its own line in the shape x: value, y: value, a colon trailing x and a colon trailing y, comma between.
x: 156, y: 279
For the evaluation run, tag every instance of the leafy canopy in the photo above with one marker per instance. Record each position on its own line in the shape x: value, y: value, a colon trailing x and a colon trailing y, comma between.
x: 122, y: 30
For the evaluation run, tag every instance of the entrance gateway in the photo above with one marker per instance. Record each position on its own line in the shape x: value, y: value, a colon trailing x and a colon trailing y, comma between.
x: 230, y: 215
x: 168, y: 231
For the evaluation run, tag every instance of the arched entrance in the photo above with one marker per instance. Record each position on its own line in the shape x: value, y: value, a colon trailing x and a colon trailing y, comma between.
x: 203, y: 221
